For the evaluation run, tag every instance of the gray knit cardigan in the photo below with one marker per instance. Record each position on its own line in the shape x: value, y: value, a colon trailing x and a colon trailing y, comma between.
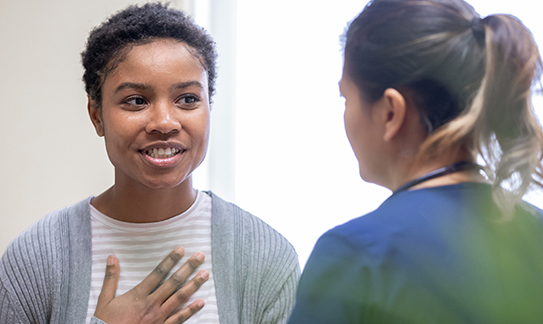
x: 45, y: 273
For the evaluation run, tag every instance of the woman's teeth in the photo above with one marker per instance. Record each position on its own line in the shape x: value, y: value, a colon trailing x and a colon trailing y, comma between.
x: 162, y: 153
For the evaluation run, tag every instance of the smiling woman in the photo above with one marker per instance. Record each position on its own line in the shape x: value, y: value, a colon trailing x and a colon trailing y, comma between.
x: 149, y: 76
x: 156, y: 102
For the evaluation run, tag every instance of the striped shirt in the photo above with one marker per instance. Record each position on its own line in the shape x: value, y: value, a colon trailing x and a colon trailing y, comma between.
x: 140, y: 247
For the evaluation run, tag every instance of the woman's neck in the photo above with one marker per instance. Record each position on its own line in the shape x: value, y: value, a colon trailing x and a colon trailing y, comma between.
x: 145, y: 205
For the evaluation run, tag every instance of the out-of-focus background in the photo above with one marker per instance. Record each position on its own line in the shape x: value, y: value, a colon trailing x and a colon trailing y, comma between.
x: 277, y: 149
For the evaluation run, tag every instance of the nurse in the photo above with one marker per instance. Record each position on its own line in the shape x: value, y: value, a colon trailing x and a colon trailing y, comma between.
x: 432, y: 90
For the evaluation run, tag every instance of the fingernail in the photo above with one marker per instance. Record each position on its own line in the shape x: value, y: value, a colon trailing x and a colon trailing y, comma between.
x: 200, y: 303
x: 204, y: 274
x: 179, y: 250
x: 110, y: 260
x: 200, y: 256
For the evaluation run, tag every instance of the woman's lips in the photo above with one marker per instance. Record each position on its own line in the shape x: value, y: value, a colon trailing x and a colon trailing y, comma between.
x: 163, y: 155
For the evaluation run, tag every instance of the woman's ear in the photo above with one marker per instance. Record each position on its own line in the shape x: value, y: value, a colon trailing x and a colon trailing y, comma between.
x: 95, y: 114
x: 395, y: 108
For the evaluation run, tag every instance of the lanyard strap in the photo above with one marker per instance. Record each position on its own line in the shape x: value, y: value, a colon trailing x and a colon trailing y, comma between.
x: 458, y: 166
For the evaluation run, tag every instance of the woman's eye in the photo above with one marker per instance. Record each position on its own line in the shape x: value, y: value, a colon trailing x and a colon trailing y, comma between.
x: 135, y: 101
x: 188, y: 101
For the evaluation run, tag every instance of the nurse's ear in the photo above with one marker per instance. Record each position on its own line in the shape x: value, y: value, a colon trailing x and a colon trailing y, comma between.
x: 95, y: 114
x: 395, y: 109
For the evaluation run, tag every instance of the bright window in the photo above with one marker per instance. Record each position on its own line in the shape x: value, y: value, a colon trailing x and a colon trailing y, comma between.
x: 293, y: 165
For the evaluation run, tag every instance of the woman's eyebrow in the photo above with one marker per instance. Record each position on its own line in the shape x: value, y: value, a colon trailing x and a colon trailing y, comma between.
x: 183, y: 85
x: 141, y: 86
x: 132, y: 85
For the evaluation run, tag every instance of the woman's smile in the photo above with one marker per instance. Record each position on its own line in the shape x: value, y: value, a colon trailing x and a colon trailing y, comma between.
x: 163, y: 155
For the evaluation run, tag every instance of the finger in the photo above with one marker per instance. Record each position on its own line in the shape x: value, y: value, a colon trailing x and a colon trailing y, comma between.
x: 111, y: 279
x: 162, y: 269
x: 178, y: 279
x: 185, y: 313
x: 181, y: 296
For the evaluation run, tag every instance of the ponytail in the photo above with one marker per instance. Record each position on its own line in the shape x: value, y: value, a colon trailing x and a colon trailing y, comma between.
x: 470, y: 80
x: 499, y: 125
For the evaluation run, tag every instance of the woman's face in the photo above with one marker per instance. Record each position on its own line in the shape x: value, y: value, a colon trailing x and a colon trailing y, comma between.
x: 362, y: 131
x: 155, y: 115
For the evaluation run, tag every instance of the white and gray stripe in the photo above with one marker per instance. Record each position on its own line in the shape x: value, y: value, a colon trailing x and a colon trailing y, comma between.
x: 141, y: 246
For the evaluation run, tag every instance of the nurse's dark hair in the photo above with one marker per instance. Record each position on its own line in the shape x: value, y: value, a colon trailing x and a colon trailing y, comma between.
x: 471, y: 80
x: 109, y: 43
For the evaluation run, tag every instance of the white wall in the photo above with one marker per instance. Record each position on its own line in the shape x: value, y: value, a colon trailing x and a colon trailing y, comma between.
x: 51, y: 156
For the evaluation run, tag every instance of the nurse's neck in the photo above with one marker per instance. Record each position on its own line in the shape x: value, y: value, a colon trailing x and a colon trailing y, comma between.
x: 419, y: 169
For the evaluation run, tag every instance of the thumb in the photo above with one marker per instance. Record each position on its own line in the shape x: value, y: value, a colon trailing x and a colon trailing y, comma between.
x: 111, y: 279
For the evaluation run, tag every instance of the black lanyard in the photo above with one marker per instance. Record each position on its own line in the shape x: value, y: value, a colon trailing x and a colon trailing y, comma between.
x: 458, y: 166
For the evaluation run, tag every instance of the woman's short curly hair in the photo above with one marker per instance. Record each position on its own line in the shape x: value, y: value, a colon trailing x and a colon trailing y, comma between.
x: 109, y: 43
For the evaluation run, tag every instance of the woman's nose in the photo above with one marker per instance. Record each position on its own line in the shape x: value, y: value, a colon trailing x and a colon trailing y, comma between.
x: 163, y: 119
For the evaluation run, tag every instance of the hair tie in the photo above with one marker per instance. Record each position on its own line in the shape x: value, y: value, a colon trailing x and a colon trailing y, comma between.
x: 478, y: 28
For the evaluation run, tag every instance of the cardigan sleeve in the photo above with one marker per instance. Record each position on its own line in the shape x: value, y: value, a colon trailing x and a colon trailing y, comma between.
x: 256, y: 269
x: 270, y: 268
x: 7, y: 311
x: 24, y: 287
x: 279, y: 309
x: 35, y: 275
